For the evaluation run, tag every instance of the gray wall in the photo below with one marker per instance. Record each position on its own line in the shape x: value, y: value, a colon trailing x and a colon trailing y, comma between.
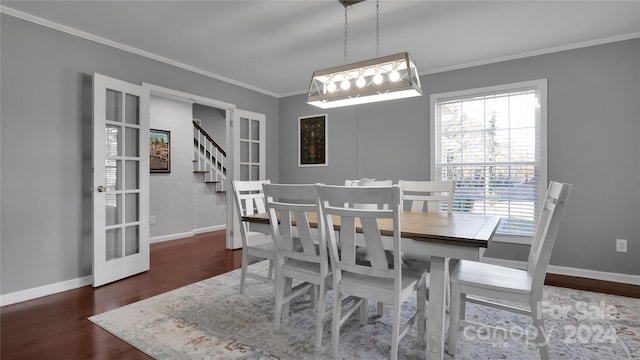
x: 45, y: 111
x: 171, y: 199
x: 593, y: 143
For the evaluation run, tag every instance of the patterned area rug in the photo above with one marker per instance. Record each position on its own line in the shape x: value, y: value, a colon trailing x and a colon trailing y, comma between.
x: 211, y: 320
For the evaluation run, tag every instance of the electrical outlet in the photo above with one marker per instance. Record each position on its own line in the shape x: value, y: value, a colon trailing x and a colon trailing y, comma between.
x: 621, y: 245
x: 152, y: 220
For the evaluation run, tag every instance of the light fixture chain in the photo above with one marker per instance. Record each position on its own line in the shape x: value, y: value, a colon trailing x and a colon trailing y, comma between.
x: 345, y: 34
x: 377, y: 28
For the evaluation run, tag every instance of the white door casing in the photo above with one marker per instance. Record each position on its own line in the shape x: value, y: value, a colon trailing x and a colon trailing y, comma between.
x: 120, y: 179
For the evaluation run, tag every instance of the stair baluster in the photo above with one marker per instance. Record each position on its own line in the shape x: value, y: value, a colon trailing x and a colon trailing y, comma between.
x: 209, y: 158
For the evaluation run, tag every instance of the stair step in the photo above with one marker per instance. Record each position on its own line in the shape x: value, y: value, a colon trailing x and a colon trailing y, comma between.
x: 199, y: 172
x: 212, y: 182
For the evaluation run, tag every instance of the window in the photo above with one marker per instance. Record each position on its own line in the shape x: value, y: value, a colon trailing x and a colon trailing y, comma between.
x: 492, y: 142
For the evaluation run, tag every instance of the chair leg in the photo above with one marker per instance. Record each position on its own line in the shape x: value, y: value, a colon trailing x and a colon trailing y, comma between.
x: 315, y: 295
x: 447, y: 294
x: 288, y: 286
x: 243, y: 271
x: 395, y: 328
x: 463, y: 306
x: 421, y: 298
x: 270, y: 274
x: 335, y: 322
x: 380, y: 308
x: 281, y: 285
x: 542, y: 337
x: 364, y: 312
x: 321, y: 303
x: 456, y: 309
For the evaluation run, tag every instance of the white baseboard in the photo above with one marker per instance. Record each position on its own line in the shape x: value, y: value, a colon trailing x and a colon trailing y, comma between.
x: 162, y: 238
x: 594, y: 274
x: 570, y: 271
x: 187, y: 234
x: 210, y: 229
x: 40, y: 291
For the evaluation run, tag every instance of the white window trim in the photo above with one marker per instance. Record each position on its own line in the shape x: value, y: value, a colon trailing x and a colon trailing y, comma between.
x: 541, y: 84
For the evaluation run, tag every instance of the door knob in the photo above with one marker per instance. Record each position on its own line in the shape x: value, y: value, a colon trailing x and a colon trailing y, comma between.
x: 101, y: 188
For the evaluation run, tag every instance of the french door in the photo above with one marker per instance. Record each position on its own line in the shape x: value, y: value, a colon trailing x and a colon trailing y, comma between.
x: 120, y: 179
x: 249, y: 160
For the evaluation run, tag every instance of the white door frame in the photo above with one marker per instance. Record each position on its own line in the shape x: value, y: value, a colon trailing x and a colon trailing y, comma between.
x: 229, y: 109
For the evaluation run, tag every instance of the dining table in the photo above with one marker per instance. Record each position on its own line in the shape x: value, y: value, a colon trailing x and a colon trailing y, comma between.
x: 440, y: 235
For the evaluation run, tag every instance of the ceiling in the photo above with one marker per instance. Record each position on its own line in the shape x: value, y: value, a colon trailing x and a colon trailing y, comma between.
x: 274, y: 46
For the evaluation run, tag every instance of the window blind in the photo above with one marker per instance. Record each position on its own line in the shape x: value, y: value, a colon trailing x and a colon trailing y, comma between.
x: 489, y: 143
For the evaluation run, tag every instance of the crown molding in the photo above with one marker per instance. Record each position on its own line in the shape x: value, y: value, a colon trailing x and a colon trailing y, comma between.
x: 533, y: 53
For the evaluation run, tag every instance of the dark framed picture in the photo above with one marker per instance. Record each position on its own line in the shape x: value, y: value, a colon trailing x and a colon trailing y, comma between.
x: 160, y: 151
x: 312, y: 140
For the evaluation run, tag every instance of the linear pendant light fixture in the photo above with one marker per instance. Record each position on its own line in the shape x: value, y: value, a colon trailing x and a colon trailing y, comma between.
x: 383, y: 78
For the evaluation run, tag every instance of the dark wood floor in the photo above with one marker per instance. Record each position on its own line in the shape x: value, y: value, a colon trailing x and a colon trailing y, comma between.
x: 56, y: 326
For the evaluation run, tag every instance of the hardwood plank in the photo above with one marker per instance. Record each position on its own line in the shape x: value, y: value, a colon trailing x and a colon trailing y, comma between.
x: 56, y: 326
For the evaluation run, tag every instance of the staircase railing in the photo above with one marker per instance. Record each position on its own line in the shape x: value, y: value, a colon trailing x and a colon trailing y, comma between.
x: 209, y: 158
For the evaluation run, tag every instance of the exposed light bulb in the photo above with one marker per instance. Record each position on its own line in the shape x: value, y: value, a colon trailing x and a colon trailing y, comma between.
x: 331, y: 87
x: 377, y: 79
x: 345, y: 84
x: 360, y: 82
x: 394, y: 75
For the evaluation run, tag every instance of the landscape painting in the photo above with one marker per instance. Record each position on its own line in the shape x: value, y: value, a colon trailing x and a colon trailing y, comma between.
x: 160, y: 151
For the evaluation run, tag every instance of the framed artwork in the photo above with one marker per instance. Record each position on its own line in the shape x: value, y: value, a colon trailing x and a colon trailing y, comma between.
x: 312, y: 140
x: 160, y: 151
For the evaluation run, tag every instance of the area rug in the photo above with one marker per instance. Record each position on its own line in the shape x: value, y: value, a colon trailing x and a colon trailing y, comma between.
x: 212, y: 320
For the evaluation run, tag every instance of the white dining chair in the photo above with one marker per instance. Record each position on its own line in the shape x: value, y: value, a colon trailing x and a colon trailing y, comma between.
x: 426, y: 196
x: 494, y: 282
x: 355, y: 282
x: 303, y: 257
x: 256, y: 246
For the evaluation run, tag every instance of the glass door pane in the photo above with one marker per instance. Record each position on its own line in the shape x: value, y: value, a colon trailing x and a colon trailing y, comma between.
x: 122, y: 146
x: 250, y: 157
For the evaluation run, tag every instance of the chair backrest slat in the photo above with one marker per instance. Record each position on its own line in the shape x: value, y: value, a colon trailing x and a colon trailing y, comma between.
x: 347, y: 237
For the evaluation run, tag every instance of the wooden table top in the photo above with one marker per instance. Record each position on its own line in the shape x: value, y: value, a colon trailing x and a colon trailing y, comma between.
x: 457, y: 228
